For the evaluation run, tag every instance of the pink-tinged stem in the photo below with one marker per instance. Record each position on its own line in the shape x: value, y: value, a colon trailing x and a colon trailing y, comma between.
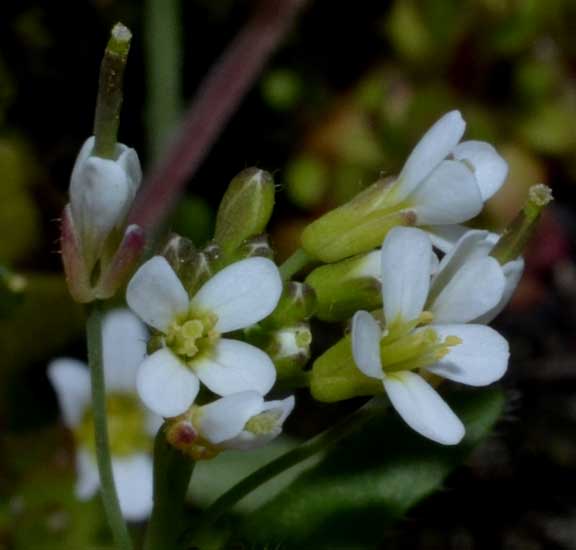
x: 215, y: 102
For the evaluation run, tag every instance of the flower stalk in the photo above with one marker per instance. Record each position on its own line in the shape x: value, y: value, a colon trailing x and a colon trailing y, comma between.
x: 109, y: 101
x: 98, y: 385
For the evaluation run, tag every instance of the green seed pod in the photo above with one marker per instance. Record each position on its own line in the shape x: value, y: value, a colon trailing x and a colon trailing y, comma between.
x: 245, y: 208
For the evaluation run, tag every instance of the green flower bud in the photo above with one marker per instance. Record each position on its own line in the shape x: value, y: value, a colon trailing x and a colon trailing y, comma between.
x: 245, y: 208
x: 289, y: 349
x: 355, y: 227
x: 347, y: 286
x: 335, y: 376
x: 518, y: 233
x: 297, y: 304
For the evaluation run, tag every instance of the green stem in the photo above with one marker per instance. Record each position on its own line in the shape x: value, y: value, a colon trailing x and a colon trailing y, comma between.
x: 163, y: 70
x: 321, y: 442
x: 107, y: 487
x: 295, y: 263
x: 109, y: 101
x: 172, y: 472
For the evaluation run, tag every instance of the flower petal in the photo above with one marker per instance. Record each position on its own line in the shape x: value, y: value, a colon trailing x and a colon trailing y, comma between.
x: 513, y: 272
x: 133, y: 478
x: 481, y: 358
x: 406, y: 263
x: 236, y: 366
x: 445, y: 237
x: 489, y: 167
x: 71, y: 381
x: 475, y: 288
x: 156, y: 294
x: 128, y: 160
x: 225, y: 418
x: 449, y: 195
x: 436, y: 144
x: 124, y: 348
x: 87, y: 477
x: 423, y: 409
x: 241, y: 294
x: 366, y: 335
x: 165, y: 385
x: 247, y: 440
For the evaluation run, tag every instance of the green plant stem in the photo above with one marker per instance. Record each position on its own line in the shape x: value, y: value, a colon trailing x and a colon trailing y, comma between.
x: 107, y: 486
x: 163, y: 71
x: 172, y: 472
x: 295, y: 263
x: 321, y: 442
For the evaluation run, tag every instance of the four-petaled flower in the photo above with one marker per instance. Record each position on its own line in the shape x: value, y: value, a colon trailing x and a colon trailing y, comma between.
x: 131, y: 427
x: 192, y: 349
x: 426, y: 330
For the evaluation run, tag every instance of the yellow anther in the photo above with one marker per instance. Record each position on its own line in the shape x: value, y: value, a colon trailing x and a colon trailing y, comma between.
x: 263, y: 423
x: 426, y: 317
x: 452, y: 341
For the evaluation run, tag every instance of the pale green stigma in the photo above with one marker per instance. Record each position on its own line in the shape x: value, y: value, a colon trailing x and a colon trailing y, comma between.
x: 263, y: 423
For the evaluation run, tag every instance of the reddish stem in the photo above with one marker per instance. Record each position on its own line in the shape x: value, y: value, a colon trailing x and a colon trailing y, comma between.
x: 215, y: 102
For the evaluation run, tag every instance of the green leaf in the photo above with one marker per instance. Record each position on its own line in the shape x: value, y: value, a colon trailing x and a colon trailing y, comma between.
x: 367, y: 482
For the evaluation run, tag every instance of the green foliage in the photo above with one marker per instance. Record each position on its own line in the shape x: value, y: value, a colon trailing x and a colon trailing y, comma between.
x: 370, y: 480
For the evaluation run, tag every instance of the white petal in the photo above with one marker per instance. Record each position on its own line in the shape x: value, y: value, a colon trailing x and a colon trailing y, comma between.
x: 165, y: 385
x: 156, y: 294
x: 133, y: 478
x: 153, y: 423
x: 71, y: 381
x: 241, y: 294
x: 513, y: 272
x: 449, y: 195
x: 445, y: 237
x: 87, y: 477
x: 366, y: 335
x: 128, y: 160
x: 406, y: 262
x: 124, y: 348
x: 489, y: 167
x: 481, y: 358
x: 225, y: 418
x: 436, y: 144
x: 235, y: 366
x: 423, y: 409
x: 475, y: 288
x: 246, y: 440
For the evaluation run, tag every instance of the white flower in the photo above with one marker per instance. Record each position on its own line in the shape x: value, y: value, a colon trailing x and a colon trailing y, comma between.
x: 240, y: 295
x: 131, y: 427
x: 101, y: 192
x: 444, y: 181
x: 436, y: 339
x: 241, y: 421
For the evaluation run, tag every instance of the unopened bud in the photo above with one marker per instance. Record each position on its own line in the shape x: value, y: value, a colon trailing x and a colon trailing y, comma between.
x: 289, y: 349
x: 345, y: 287
x: 518, y: 233
x: 358, y: 226
x: 297, y: 304
x: 245, y: 208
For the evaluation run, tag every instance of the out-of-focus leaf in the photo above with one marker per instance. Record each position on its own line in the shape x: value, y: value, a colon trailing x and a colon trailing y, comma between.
x: 194, y: 219
x: 12, y: 287
x: 370, y: 480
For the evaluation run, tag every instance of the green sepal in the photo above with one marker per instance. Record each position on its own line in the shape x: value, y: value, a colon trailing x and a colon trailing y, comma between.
x: 357, y: 226
x: 336, y: 377
x: 297, y: 304
x: 245, y: 208
x: 345, y: 287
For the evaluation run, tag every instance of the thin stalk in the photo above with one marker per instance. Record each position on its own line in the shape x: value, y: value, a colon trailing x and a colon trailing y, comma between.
x: 107, y: 486
x: 110, y: 93
x: 163, y: 71
x: 215, y: 102
x: 321, y: 442
x: 295, y: 263
x: 172, y: 472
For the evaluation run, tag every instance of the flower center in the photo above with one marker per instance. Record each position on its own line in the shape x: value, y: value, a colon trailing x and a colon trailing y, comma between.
x: 263, y: 423
x: 406, y: 348
x: 126, y: 426
x: 190, y: 336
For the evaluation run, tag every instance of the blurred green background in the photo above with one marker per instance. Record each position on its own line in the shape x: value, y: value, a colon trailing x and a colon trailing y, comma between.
x: 342, y: 101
